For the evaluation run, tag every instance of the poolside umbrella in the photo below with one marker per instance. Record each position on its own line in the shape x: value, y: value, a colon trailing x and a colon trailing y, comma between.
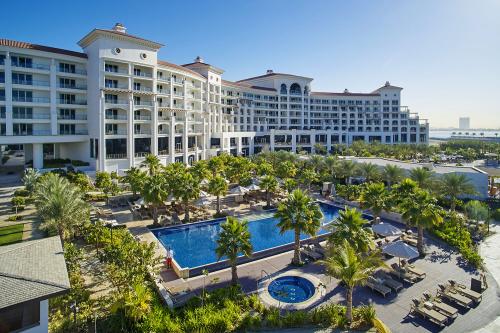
x: 238, y: 190
x: 386, y: 229
x: 401, y: 250
x: 203, y: 201
x: 204, y: 194
x: 204, y: 182
x: 140, y: 202
x: 253, y: 187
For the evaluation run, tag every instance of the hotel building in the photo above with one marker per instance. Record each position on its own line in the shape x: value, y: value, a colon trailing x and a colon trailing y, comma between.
x: 115, y: 102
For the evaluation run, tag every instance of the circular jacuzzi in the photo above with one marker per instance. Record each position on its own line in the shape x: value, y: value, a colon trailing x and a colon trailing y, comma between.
x: 291, y: 289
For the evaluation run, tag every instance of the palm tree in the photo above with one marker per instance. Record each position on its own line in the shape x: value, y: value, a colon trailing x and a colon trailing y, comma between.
x: 268, y: 183
x: 300, y: 214
x: 331, y: 165
x: 29, y: 179
x: 375, y: 198
x: 349, y: 226
x: 155, y: 192
x: 420, y: 209
x: 422, y: 176
x: 403, y: 190
x: 217, y: 186
x: 200, y: 170
x: 286, y: 169
x: 234, y: 239
x: 346, y: 169
x: 307, y: 177
x: 216, y: 165
x: 368, y: 171
x: 135, y: 178
x: 352, y: 268
x: 392, y: 174
x: 186, y: 187
x: 60, y: 204
x: 453, y: 185
x: 289, y: 184
x: 152, y: 163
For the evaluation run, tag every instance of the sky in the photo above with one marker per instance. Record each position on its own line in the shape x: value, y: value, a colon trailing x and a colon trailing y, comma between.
x: 445, y: 54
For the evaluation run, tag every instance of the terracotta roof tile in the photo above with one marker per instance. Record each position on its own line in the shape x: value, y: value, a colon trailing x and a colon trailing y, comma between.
x: 169, y: 64
x: 25, y: 45
x: 320, y: 93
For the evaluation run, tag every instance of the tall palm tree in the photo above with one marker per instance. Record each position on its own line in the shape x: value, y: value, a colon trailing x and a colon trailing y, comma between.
x: 60, y: 204
x: 420, y: 209
x: 286, y: 169
x: 422, y: 176
x: 331, y: 165
x: 392, y: 174
x: 155, y: 192
x: 346, y: 169
x: 307, y: 177
x: 268, y: 183
x: 186, y: 188
x: 352, y: 268
x: 200, y: 170
x: 216, y: 165
x: 375, y: 198
x: 217, y: 186
x: 349, y: 226
x: 454, y: 185
x: 234, y: 239
x: 30, y: 178
x: 152, y: 163
x: 368, y: 171
x: 135, y: 177
x: 300, y: 214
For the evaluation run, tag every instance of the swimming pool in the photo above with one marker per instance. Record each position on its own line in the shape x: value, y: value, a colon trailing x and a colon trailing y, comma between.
x: 194, y: 245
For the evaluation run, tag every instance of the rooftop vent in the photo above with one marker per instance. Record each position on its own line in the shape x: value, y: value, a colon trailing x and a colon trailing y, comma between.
x: 120, y: 28
x: 387, y: 83
x: 199, y: 59
x: 269, y: 71
x: 346, y: 91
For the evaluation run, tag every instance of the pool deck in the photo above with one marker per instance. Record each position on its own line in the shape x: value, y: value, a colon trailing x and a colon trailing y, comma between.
x: 441, y: 263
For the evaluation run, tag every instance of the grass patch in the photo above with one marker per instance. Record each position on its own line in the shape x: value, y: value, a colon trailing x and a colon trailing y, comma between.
x: 11, y: 234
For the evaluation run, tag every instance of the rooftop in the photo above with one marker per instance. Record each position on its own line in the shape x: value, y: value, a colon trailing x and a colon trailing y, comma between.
x: 33, y: 270
x: 30, y: 46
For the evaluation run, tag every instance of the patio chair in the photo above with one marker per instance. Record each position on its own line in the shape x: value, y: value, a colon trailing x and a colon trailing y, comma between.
x: 390, y: 282
x: 318, y: 248
x: 376, y: 285
x: 311, y: 254
x: 454, y: 296
x: 403, y: 274
x: 440, y: 306
x: 414, y: 270
x: 409, y: 240
x: 427, y: 311
x: 461, y: 289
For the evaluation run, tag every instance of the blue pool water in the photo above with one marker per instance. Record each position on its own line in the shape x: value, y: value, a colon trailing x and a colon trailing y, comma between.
x: 291, y: 289
x: 194, y: 245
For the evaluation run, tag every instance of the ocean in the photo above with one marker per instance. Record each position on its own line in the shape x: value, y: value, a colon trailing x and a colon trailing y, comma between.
x: 446, y: 134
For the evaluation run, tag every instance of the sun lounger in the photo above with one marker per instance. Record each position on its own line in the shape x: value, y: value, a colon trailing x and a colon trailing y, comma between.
x: 440, y: 306
x: 311, y: 254
x: 409, y: 240
x: 320, y: 249
x: 427, y: 311
x: 390, y: 282
x: 460, y: 288
x: 416, y: 271
x: 403, y: 274
x: 454, y: 296
x: 377, y: 285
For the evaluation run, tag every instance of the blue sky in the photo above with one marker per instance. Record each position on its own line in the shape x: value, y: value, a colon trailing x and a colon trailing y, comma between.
x: 446, y: 53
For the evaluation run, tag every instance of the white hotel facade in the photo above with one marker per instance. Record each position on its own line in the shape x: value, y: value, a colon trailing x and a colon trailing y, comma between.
x: 116, y: 102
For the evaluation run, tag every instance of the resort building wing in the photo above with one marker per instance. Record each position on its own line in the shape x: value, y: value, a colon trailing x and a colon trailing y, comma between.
x: 116, y: 102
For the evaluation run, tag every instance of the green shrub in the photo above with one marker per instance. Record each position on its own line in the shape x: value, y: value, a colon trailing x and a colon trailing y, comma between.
x: 18, y: 203
x: 496, y: 214
x: 78, y: 163
x: 364, y: 315
x: 328, y: 315
x: 21, y: 193
x: 14, y: 218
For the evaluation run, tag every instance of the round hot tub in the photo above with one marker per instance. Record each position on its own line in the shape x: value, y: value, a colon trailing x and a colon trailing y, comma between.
x: 291, y: 289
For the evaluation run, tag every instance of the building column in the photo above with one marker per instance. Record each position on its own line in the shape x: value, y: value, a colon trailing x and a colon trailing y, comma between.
x: 53, y: 97
x: 294, y: 141
x: 185, y: 138
x: 328, y: 142
x: 38, y: 155
x: 130, y: 132
x: 8, y: 95
x: 238, y: 146
x: 171, y: 140
x: 271, y: 140
x: 312, y: 138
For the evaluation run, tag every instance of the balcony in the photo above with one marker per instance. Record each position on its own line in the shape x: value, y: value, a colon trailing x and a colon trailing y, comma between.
x: 72, y: 71
x: 72, y: 86
x: 178, y: 94
x: 143, y: 89
x: 163, y: 105
x: 116, y: 101
x: 163, y: 152
x: 141, y: 117
x: 32, y: 65
x: 72, y: 117
x: 31, y: 116
x: 30, y: 99
x: 164, y: 131
x: 142, y: 154
x: 163, y: 91
x: 116, y: 156
x: 177, y: 81
x: 120, y: 131
x: 72, y: 101
x: 143, y: 103
x: 163, y: 79
x: 139, y: 131
x: 116, y: 71
x: 38, y: 132
x: 116, y: 86
x: 76, y: 132
x: 37, y: 83
x: 143, y: 74
x: 116, y: 117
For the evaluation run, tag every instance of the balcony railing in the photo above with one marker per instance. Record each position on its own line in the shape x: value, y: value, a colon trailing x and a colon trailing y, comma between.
x: 116, y: 86
x: 163, y: 105
x: 116, y: 117
x: 163, y: 152
x: 76, y: 132
x: 117, y: 71
x: 142, y: 154
x: 33, y: 65
x: 116, y: 156
x: 72, y: 117
x: 141, y: 117
x: 143, y: 103
x: 32, y: 83
x: 72, y: 86
x: 163, y: 79
x: 177, y: 81
x: 143, y: 74
x: 163, y: 91
x: 31, y: 99
x: 116, y: 101
x: 31, y: 116
x: 178, y: 94
x: 73, y: 71
x: 72, y: 101
x: 119, y: 131
x: 145, y: 89
x: 142, y: 132
x: 164, y: 131
x: 39, y: 132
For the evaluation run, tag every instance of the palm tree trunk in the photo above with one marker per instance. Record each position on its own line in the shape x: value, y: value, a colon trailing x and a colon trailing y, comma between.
x: 348, y: 312
x: 234, y: 273
x: 453, y: 204
x: 296, y: 253
x: 218, y: 204
x: 186, y: 211
x: 155, y: 214
x: 420, y: 240
x: 268, y: 198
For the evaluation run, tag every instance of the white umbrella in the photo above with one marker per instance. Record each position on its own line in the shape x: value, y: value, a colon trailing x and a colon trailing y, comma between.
x: 204, y: 194
x: 238, y: 190
x: 386, y: 229
x: 204, y: 182
x: 253, y: 187
x: 203, y: 201
x: 140, y: 202
x: 401, y: 250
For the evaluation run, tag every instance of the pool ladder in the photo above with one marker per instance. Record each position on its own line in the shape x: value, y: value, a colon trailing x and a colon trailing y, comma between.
x: 261, y: 277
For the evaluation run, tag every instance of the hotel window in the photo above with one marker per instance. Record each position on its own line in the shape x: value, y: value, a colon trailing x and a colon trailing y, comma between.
x: 2, y: 59
x: 21, y: 62
x: 66, y: 129
x: 2, y: 112
x: 111, y: 68
x: 67, y: 98
x: 22, y: 96
x: 67, y: 83
x: 2, y: 77
x: 137, y: 71
x: 111, y: 83
x: 22, y: 113
x: 109, y: 98
x: 395, y: 102
x: 137, y: 86
x: 67, y: 68
x: 22, y: 129
x: 2, y: 95
x: 19, y: 78
x: 66, y: 113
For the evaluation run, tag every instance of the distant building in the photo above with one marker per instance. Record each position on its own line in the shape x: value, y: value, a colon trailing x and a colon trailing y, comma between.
x: 464, y: 123
x: 30, y: 273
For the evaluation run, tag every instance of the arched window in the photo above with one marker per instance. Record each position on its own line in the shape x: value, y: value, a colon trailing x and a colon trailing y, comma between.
x: 283, y: 89
x: 295, y: 89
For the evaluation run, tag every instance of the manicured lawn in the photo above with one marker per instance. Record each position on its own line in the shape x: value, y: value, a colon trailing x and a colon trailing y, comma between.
x: 11, y: 234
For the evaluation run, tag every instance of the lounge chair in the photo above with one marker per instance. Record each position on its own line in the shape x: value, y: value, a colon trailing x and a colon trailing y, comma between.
x: 390, y: 282
x: 427, y: 311
x: 311, y: 254
x: 320, y: 249
x: 409, y: 240
x: 377, y: 285
x: 454, y: 296
x: 440, y: 306
x: 414, y: 270
x: 460, y: 288
x: 403, y: 274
